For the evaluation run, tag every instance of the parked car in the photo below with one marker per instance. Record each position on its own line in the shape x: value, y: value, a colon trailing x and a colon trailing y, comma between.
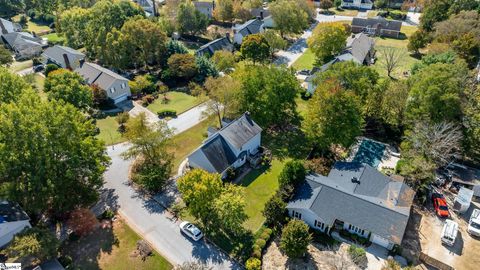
x: 38, y: 68
x: 440, y: 205
x: 449, y: 232
x: 474, y: 223
x: 191, y: 230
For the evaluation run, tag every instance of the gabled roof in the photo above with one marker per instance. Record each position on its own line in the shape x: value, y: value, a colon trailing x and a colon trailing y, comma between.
x: 20, y: 41
x: 55, y: 54
x: 360, y: 195
x: 259, y: 12
x: 240, y: 131
x: 218, y: 153
x: 377, y: 21
x: 358, y: 46
x: 252, y: 26
x: 215, y: 45
x: 7, y: 26
x: 100, y: 76
x: 11, y: 212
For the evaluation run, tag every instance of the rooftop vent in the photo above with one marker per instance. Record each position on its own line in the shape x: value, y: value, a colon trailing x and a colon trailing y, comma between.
x: 355, y: 180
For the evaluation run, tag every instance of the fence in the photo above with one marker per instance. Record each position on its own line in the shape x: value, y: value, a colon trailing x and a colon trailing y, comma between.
x: 434, y: 262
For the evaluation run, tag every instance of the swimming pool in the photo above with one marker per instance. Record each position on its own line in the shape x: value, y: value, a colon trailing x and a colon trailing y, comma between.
x: 370, y: 152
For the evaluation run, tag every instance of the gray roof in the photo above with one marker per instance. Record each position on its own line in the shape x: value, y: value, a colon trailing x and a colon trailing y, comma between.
x: 359, y: 46
x: 55, y: 54
x: 20, y: 41
x: 11, y: 211
x: 218, y: 153
x: 7, y: 26
x: 252, y: 26
x: 373, y: 202
x: 240, y: 131
x: 215, y: 45
x: 203, y: 4
x: 100, y: 76
x: 258, y: 12
x: 381, y: 22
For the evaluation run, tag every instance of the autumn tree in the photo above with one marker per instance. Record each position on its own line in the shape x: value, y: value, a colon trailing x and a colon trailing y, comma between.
x: 82, y: 221
x: 289, y: 17
x: 68, y: 86
x: 327, y: 40
x: 295, y: 238
x: 222, y: 92
x: 255, y: 47
x: 182, y: 66
x: 223, y: 60
x: 223, y: 10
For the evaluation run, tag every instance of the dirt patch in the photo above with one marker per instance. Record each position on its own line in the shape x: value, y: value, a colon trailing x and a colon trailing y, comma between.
x: 318, y: 257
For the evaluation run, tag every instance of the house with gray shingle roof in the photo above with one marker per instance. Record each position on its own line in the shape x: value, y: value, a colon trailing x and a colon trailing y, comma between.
x: 24, y: 45
x: 253, y: 26
x: 7, y: 26
x: 230, y: 147
x: 377, y: 26
x: 64, y: 57
x: 12, y: 221
x: 216, y: 45
x: 357, y: 198
x: 115, y: 86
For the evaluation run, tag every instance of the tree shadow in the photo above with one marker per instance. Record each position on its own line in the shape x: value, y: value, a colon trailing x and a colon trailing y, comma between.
x: 238, y: 246
x: 287, y: 142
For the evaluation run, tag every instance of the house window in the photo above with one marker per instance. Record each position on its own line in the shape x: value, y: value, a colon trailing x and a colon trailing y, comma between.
x: 349, y: 226
x: 297, y: 215
x: 363, y: 232
x: 123, y: 85
x: 112, y: 90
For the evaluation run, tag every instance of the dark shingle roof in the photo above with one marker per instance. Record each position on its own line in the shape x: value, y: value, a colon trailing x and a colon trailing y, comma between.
x: 100, y: 76
x: 374, y: 202
x: 258, y: 12
x: 10, y: 212
x: 21, y: 40
x: 7, y: 26
x: 218, y: 153
x: 240, y: 131
x: 55, y: 54
x: 203, y: 4
x: 252, y: 26
x: 215, y: 45
x: 373, y: 22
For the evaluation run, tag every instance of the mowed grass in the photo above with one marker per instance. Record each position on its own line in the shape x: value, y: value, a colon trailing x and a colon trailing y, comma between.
x: 306, y: 61
x: 54, y: 38
x: 260, y: 185
x: 178, y: 101
x: 109, y: 131
x: 112, y: 248
x: 345, y: 12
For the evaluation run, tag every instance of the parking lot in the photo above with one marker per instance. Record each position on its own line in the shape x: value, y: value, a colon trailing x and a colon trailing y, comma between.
x: 424, y: 232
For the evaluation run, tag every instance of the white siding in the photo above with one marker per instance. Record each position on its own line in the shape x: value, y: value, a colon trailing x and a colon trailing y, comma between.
x: 251, y: 146
x: 237, y: 38
x: 198, y: 160
x: 381, y: 241
x: 309, y: 218
x: 355, y: 229
x: 9, y: 229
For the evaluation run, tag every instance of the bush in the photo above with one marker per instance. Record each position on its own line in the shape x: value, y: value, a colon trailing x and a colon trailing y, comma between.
x: 39, y: 243
x: 261, y: 243
x: 65, y: 261
x: 292, y: 174
x: 357, y: 254
x: 274, y: 211
x: 49, y: 68
x: 148, y: 99
x: 152, y: 177
x: 295, y: 238
x: 257, y: 253
x: 108, y: 214
x: 253, y: 264
x: 266, y: 234
x: 167, y: 113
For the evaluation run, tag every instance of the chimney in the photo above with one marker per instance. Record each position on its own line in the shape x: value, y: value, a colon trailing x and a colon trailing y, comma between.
x: 82, y: 61
x: 261, y: 15
x: 67, y: 62
x: 355, y: 180
x: 227, y: 35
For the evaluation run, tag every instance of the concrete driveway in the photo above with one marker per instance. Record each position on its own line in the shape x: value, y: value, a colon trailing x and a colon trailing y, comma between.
x: 155, y: 224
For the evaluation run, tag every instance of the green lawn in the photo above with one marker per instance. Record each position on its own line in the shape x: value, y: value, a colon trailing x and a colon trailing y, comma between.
x: 111, y: 248
x: 109, y: 130
x: 305, y: 61
x: 178, y: 101
x: 54, y: 38
x: 260, y: 185
x: 34, y: 26
x: 345, y: 12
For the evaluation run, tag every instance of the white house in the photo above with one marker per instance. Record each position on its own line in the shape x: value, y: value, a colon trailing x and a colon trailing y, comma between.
x: 357, y: 4
x: 12, y: 221
x: 253, y: 26
x: 357, y: 198
x: 230, y: 147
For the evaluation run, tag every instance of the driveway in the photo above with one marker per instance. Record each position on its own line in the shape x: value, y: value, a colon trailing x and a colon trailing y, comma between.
x: 26, y: 71
x: 155, y: 224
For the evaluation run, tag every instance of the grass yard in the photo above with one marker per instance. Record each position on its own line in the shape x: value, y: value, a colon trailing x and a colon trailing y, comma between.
x: 34, y: 26
x: 345, y: 12
x: 305, y: 61
x: 112, y: 248
x: 109, y: 131
x: 54, y: 38
x: 18, y: 66
x: 178, y: 101
x: 301, y: 106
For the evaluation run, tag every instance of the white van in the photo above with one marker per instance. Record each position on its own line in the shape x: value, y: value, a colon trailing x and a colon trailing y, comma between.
x: 449, y: 232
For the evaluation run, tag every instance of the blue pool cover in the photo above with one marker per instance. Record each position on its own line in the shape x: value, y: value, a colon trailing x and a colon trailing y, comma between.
x: 370, y: 153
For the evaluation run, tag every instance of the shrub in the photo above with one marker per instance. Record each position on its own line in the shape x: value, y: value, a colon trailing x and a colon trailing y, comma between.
x: 152, y: 177
x: 49, y: 68
x: 275, y: 211
x: 295, y: 238
x: 65, y: 261
x: 257, y: 253
x: 253, y: 264
x: 261, y: 243
x: 292, y: 174
x: 167, y: 113
x: 148, y: 99
x: 82, y: 221
x: 266, y: 234
x: 357, y: 254
x: 108, y: 214
x: 39, y: 243
x: 319, y: 165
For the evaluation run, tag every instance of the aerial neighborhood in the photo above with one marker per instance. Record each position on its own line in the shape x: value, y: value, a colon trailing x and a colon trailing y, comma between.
x: 231, y: 134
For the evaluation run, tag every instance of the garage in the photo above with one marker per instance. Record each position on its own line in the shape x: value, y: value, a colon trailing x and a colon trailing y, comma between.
x: 121, y: 98
x: 381, y: 241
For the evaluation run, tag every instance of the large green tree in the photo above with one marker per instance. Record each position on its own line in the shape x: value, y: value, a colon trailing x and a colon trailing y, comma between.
x: 434, y: 11
x: 6, y: 58
x: 190, y: 20
x: 223, y: 92
x: 10, y: 8
x: 230, y: 209
x: 289, y: 18
x: 11, y: 86
x: 327, y: 40
x: 255, y: 48
x: 295, y: 238
x: 68, y: 86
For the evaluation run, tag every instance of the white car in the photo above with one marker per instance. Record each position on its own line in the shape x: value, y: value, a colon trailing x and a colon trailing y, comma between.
x: 474, y: 223
x: 191, y: 230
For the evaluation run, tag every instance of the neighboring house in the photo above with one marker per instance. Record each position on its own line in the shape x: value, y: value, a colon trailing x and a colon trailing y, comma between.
x: 264, y: 15
x: 205, y: 8
x: 360, y: 49
x: 147, y: 6
x: 52, y: 264
x: 12, y: 221
x: 217, y: 45
x: 357, y: 4
x: 253, y: 26
x: 23, y: 44
x: 115, y: 86
x: 7, y: 27
x: 230, y: 147
x: 377, y: 26
x: 396, y: 3
x: 356, y: 198
x: 64, y: 57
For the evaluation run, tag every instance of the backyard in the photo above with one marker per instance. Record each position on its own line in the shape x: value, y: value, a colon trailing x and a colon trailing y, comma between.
x: 111, y: 246
x: 177, y: 101
x: 305, y: 61
x: 109, y: 130
x: 54, y: 38
x: 34, y: 26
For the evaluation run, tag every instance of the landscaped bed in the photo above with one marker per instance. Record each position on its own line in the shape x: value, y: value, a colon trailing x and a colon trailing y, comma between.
x: 176, y: 101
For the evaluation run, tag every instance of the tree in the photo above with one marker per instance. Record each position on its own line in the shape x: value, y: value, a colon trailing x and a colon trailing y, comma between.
x: 10, y: 8
x: 49, y: 68
x: 275, y: 211
x: 255, y: 47
x: 223, y: 60
x: 199, y: 190
x: 82, y: 221
x: 417, y: 170
x: 448, y: 57
x: 230, y: 209
x: 6, y: 58
x: 122, y: 118
x: 434, y: 11
x: 460, y: 5
x: 468, y: 48
x: 49, y: 146
x: 293, y: 174
x: 142, y: 84
x: 223, y: 10
x: 333, y: 116
x: 253, y: 264
x: 174, y: 47
x: 68, y: 86
x: 394, y: 101
x: 326, y: 4
x: 337, y: 3
x: 417, y: 40
x: 12, y: 86
x: 37, y: 242
x: 205, y: 69
x: 275, y: 41
x: 295, y: 238
x: 190, y: 20
x: 471, y: 123
x: 182, y: 66
x: 222, y: 92
x: 240, y: 12
x: 327, y: 40
x: 268, y: 93
x: 100, y: 97
x: 289, y: 17
x: 391, y: 59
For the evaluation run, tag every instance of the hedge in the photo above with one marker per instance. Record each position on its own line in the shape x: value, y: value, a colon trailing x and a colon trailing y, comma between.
x: 166, y: 113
